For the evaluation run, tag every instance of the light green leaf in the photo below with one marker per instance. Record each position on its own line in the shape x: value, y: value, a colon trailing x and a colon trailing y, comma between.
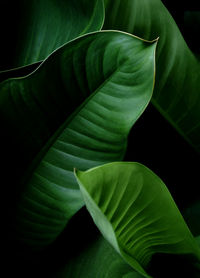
x: 99, y: 260
x: 44, y: 25
x: 176, y: 93
x: 135, y: 212
x: 75, y: 110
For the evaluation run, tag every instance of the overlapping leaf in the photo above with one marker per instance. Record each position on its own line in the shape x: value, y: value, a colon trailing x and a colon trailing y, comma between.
x: 98, y: 86
x: 98, y: 260
x: 18, y: 72
x: 135, y: 212
x: 176, y: 93
x: 39, y: 27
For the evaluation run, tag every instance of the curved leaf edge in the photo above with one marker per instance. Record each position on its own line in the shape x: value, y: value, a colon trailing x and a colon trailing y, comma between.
x: 53, y: 138
x: 40, y: 63
x: 138, y: 268
x: 116, y: 39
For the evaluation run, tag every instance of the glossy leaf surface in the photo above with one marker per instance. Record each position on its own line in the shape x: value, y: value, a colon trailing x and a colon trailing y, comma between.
x: 135, y: 212
x: 75, y: 110
x: 176, y: 93
x: 39, y: 27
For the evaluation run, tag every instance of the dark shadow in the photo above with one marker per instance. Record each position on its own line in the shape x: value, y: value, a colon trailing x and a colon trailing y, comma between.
x: 156, y: 144
x: 173, y: 266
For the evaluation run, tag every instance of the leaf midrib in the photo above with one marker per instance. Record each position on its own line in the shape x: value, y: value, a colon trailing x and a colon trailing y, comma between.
x: 38, y: 158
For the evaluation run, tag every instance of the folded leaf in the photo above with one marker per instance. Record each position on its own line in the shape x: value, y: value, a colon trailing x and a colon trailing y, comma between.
x: 75, y: 110
x: 98, y: 260
x: 135, y: 212
x: 176, y: 93
x: 39, y: 27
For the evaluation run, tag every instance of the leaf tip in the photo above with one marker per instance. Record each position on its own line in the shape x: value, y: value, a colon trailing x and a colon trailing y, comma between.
x: 155, y: 40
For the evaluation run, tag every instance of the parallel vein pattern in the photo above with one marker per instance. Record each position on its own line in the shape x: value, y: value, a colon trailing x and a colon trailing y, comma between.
x: 98, y: 86
x: 135, y: 212
x: 176, y: 94
x: 42, y: 26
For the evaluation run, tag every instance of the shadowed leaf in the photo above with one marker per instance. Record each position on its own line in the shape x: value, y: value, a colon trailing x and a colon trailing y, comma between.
x: 39, y: 27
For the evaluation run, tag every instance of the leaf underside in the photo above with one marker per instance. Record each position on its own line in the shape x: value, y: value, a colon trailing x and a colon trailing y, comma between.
x: 135, y: 212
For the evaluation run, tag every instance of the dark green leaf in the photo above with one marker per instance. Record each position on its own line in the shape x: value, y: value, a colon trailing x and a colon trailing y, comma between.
x: 18, y: 72
x: 39, y: 27
x: 135, y: 212
x: 75, y: 110
x: 176, y: 93
x: 198, y: 240
x: 98, y: 260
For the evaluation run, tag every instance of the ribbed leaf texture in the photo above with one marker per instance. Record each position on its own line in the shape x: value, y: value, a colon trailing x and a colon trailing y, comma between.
x: 38, y: 27
x: 176, y: 93
x: 75, y: 110
x: 135, y: 212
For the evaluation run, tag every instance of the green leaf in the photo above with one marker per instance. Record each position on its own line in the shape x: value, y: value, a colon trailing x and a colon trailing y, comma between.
x: 176, y: 93
x: 198, y: 240
x: 135, y: 212
x: 18, y: 72
x: 75, y: 110
x: 44, y: 25
x: 98, y: 260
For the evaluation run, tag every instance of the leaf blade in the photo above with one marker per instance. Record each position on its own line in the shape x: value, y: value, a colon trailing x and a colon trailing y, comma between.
x: 100, y: 255
x: 57, y: 133
x: 43, y: 26
x: 176, y: 94
x: 135, y: 212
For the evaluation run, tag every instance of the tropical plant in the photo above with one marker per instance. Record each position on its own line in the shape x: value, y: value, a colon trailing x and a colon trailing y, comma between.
x: 79, y: 77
